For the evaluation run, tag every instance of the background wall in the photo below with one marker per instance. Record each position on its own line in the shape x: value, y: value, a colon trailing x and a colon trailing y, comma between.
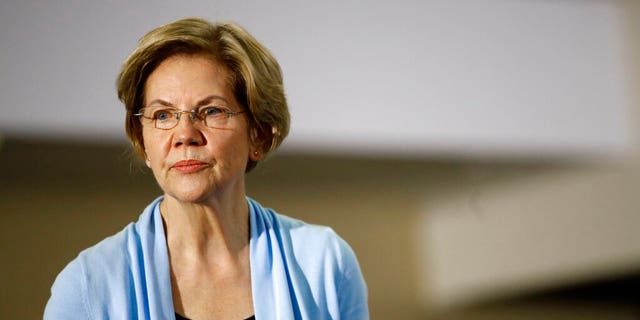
x: 520, y: 231
x: 467, y: 78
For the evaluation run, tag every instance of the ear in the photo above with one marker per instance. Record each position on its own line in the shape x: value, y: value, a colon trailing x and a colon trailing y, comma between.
x: 256, y: 148
x: 147, y: 160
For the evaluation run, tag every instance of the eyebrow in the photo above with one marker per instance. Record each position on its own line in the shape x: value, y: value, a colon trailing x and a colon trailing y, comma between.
x: 200, y: 103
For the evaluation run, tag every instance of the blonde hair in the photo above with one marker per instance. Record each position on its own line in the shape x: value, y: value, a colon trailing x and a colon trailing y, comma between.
x: 255, y: 75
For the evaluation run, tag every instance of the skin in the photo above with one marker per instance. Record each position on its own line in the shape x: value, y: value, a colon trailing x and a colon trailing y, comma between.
x: 205, y: 212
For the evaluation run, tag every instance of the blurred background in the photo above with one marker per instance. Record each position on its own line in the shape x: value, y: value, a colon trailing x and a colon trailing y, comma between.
x: 481, y: 157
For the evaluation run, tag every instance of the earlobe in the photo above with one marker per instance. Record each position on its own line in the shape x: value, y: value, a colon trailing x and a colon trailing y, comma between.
x: 255, y: 155
x: 147, y: 161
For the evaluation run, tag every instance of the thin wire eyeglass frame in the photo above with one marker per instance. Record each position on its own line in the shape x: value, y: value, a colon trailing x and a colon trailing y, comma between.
x: 193, y: 115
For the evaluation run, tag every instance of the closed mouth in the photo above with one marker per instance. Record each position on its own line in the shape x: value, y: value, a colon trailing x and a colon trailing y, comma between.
x: 189, y: 166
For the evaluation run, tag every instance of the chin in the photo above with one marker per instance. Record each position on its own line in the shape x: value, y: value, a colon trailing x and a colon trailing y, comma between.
x: 189, y: 198
x: 189, y: 193
x: 189, y: 188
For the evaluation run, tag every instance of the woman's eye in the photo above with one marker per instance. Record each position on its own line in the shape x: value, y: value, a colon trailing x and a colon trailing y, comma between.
x: 212, y: 111
x: 162, y: 115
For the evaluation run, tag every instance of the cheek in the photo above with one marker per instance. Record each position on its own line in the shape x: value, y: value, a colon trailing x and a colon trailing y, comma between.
x: 235, y: 149
x: 146, y: 142
x: 153, y: 146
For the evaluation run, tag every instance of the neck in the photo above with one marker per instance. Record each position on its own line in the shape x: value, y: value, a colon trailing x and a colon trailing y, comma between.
x: 215, y: 231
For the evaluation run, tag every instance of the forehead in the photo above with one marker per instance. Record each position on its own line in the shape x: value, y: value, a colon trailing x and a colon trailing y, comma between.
x: 187, y: 78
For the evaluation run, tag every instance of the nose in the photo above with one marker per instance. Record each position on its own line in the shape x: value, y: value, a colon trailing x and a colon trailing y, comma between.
x: 187, y: 133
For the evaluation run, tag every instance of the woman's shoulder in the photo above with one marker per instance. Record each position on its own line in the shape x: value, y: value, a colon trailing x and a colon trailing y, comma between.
x: 311, y: 235
x: 102, y: 258
x: 109, y: 250
x: 102, y: 272
x: 88, y: 275
x: 328, y: 261
x: 266, y: 219
x: 115, y: 251
x: 316, y: 258
x: 307, y: 240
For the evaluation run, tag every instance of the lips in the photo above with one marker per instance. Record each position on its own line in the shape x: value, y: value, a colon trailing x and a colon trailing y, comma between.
x: 189, y: 166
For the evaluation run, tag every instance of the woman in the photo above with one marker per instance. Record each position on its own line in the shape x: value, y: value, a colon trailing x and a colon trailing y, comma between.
x: 205, y: 103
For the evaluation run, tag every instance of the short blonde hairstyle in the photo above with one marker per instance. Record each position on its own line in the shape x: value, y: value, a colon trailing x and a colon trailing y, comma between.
x: 254, y: 75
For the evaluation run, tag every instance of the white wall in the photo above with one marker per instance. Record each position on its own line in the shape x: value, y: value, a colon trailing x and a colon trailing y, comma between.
x: 491, y: 78
x: 507, y: 232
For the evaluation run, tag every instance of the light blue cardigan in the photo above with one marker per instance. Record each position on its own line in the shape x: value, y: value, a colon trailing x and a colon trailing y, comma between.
x: 298, y: 271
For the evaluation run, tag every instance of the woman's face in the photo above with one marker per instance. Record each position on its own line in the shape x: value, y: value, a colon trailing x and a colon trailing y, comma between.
x: 192, y: 162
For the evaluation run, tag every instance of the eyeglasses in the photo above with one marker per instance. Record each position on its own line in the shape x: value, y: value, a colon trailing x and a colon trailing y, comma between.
x: 167, y: 118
